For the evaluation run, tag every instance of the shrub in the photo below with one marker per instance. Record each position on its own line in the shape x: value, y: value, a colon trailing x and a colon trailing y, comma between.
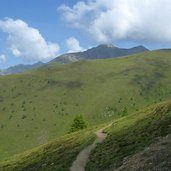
x: 23, y: 116
x: 78, y: 124
x: 2, y: 126
x: 10, y: 117
x: 4, y: 108
x: 125, y: 111
x: 65, y: 103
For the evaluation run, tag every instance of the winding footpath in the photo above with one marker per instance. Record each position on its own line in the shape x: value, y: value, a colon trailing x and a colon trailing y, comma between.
x: 82, y: 158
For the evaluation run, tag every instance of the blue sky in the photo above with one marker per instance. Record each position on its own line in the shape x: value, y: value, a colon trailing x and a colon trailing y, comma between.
x: 40, y: 14
x: 78, y: 25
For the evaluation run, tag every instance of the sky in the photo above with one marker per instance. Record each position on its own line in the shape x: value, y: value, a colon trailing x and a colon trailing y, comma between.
x: 40, y: 30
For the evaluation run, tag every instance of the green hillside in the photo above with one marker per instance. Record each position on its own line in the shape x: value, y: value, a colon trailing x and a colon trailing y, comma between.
x: 57, y: 155
x: 131, y: 135
x: 39, y: 106
x: 126, y: 137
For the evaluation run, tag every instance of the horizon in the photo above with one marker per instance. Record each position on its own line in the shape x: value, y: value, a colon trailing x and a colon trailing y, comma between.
x: 73, y: 52
x: 41, y: 31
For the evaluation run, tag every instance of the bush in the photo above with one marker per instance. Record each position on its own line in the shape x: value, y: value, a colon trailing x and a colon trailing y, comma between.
x: 78, y: 124
x: 125, y: 111
x: 23, y: 117
x: 2, y: 126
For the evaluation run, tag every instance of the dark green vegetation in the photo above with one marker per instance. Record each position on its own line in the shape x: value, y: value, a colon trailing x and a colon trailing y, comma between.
x: 38, y: 106
x: 57, y: 155
x: 157, y: 156
x: 130, y: 135
x: 78, y: 124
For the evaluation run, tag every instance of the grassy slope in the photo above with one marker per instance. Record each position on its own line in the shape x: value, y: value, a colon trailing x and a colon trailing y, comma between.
x: 130, y: 135
x: 157, y: 156
x: 57, y: 155
x: 39, y: 106
x: 126, y: 137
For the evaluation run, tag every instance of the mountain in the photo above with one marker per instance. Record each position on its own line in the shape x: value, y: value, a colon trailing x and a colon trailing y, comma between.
x: 100, y: 52
x: 20, y: 68
x: 137, y: 142
x: 103, y: 51
x: 39, y: 105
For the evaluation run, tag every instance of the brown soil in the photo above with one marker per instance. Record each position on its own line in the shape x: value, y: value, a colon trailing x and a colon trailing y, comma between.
x: 82, y: 158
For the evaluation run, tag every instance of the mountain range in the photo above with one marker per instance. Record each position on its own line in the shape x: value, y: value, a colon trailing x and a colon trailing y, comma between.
x: 102, y: 51
x: 20, y: 68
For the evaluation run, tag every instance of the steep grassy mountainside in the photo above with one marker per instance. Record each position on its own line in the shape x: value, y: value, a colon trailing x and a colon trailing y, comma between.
x: 131, y: 135
x: 103, y: 51
x: 38, y: 106
x: 127, y: 137
x: 157, y: 156
x: 57, y: 155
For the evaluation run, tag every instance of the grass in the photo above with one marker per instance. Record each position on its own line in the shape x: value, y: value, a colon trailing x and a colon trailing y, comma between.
x: 157, y: 156
x: 40, y: 105
x: 127, y: 136
x: 56, y: 155
x: 131, y: 134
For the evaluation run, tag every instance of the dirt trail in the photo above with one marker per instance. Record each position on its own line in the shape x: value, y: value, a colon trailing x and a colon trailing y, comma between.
x: 82, y: 158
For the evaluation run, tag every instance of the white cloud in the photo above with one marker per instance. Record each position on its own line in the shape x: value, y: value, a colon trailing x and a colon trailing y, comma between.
x: 27, y: 42
x: 73, y: 45
x: 2, y: 59
x: 108, y: 20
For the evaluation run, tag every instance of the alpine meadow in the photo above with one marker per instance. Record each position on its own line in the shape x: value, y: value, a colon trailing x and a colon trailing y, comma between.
x: 101, y: 103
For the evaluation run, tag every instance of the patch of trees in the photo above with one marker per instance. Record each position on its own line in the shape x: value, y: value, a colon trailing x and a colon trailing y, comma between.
x: 78, y: 124
x: 125, y: 111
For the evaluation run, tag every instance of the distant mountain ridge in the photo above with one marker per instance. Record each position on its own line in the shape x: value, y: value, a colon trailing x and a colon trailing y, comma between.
x: 20, y: 68
x: 102, y: 51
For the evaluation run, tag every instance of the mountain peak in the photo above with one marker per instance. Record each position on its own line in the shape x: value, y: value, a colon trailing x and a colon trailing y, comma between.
x: 107, y: 46
x: 102, y: 51
x: 141, y: 47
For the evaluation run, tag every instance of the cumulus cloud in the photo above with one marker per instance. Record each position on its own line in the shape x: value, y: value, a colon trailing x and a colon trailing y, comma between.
x: 27, y: 42
x: 73, y: 45
x: 108, y: 20
x: 2, y: 59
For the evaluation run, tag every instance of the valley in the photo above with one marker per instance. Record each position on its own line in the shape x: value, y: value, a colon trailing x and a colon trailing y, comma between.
x: 85, y: 85
x: 39, y: 106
